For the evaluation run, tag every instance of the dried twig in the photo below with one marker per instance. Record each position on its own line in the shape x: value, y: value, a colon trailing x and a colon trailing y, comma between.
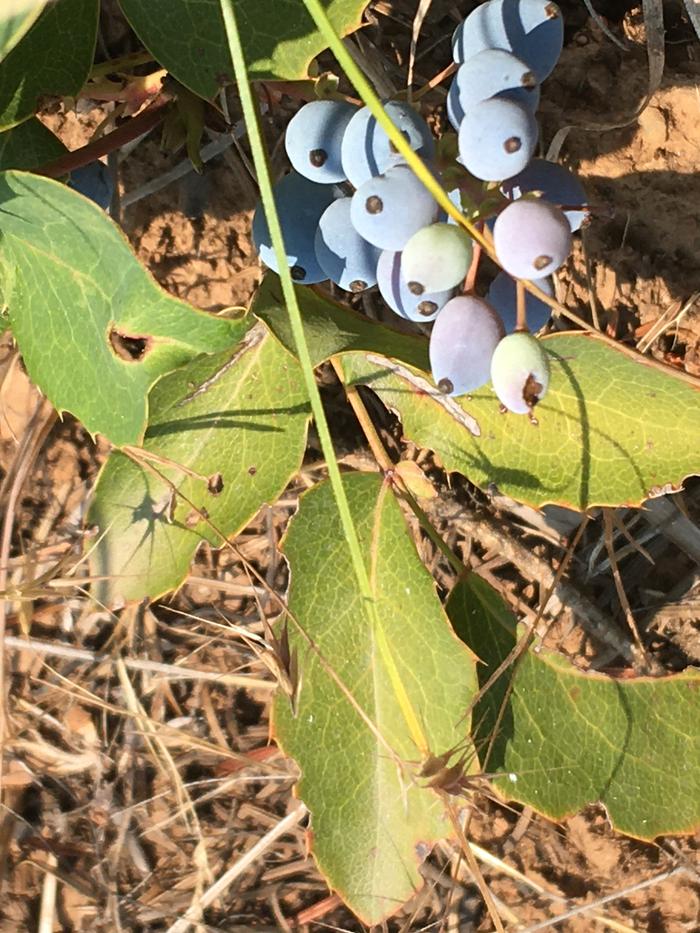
x: 486, y: 530
x: 421, y: 13
x: 285, y: 825
x: 171, y: 671
x: 37, y: 429
x: 594, y: 905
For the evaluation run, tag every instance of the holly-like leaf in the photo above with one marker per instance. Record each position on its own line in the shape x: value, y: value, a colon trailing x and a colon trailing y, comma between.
x: 94, y: 329
x: 570, y: 738
x: 611, y: 431
x: 333, y: 328
x: 28, y: 146
x: 371, y: 821
x: 53, y: 59
x: 238, y: 420
x: 280, y: 39
x: 16, y: 20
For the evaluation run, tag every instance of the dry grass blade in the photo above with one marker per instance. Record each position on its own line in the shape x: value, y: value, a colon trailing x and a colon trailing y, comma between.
x: 318, y: 910
x: 604, y: 28
x: 473, y: 867
x: 622, y: 595
x: 162, y: 757
x: 37, y: 429
x: 693, y: 9
x: 670, y: 318
x: 171, y: 671
x: 654, y: 23
x: 173, y: 735
x: 47, y: 911
x: 421, y: 13
x: 591, y: 617
x: 483, y: 855
x: 593, y: 905
x: 285, y: 825
x: 213, y: 149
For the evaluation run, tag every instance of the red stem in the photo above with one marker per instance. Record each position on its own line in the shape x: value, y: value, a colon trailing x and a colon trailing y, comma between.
x: 521, y: 312
x: 474, y: 268
x: 123, y: 134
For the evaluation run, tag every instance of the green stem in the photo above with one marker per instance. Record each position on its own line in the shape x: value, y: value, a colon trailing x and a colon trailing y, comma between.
x: 250, y: 115
x: 121, y: 64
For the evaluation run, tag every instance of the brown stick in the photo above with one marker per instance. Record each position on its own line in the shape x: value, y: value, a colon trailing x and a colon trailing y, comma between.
x: 133, y: 128
x: 521, y: 312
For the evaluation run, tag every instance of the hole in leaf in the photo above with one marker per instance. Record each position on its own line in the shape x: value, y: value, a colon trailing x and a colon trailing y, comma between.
x: 195, y: 516
x: 215, y: 484
x: 129, y: 347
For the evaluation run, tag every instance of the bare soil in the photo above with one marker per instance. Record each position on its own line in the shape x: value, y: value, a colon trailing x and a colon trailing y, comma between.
x: 100, y: 778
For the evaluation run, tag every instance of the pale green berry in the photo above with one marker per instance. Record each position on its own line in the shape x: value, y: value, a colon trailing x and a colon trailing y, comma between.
x: 520, y: 372
x: 436, y: 258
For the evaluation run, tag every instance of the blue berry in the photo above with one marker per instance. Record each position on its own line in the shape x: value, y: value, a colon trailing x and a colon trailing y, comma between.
x: 300, y: 204
x: 387, y: 210
x: 344, y: 256
x: 462, y: 342
x: 368, y: 152
x: 556, y: 184
x: 94, y: 181
x: 531, y: 29
x: 496, y: 73
x: 497, y: 138
x: 520, y: 372
x: 502, y: 294
x: 532, y: 239
x: 314, y: 137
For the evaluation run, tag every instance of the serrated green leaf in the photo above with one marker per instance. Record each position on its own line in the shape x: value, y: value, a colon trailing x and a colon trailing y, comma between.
x: 611, y: 431
x: 28, y: 146
x: 333, y: 328
x: 77, y: 295
x: 53, y: 59
x: 15, y: 21
x: 187, y: 37
x: 367, y: 819
x: 571, y: 738
x: 241, y: 414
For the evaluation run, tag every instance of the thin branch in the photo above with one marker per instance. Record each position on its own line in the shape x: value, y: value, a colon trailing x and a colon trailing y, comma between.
x: 171, y: 671
x: 132, y: 129
x: 594, y: 905
x: 285, y: 825
x: 34, y: 436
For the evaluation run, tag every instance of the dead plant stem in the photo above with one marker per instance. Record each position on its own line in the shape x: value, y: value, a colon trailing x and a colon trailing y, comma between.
x: 38, y: 427
x: 214, y: 891
x: 171, y: 671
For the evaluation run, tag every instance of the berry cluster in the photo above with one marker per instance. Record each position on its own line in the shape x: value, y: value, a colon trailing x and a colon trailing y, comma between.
x: 352, y: 211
